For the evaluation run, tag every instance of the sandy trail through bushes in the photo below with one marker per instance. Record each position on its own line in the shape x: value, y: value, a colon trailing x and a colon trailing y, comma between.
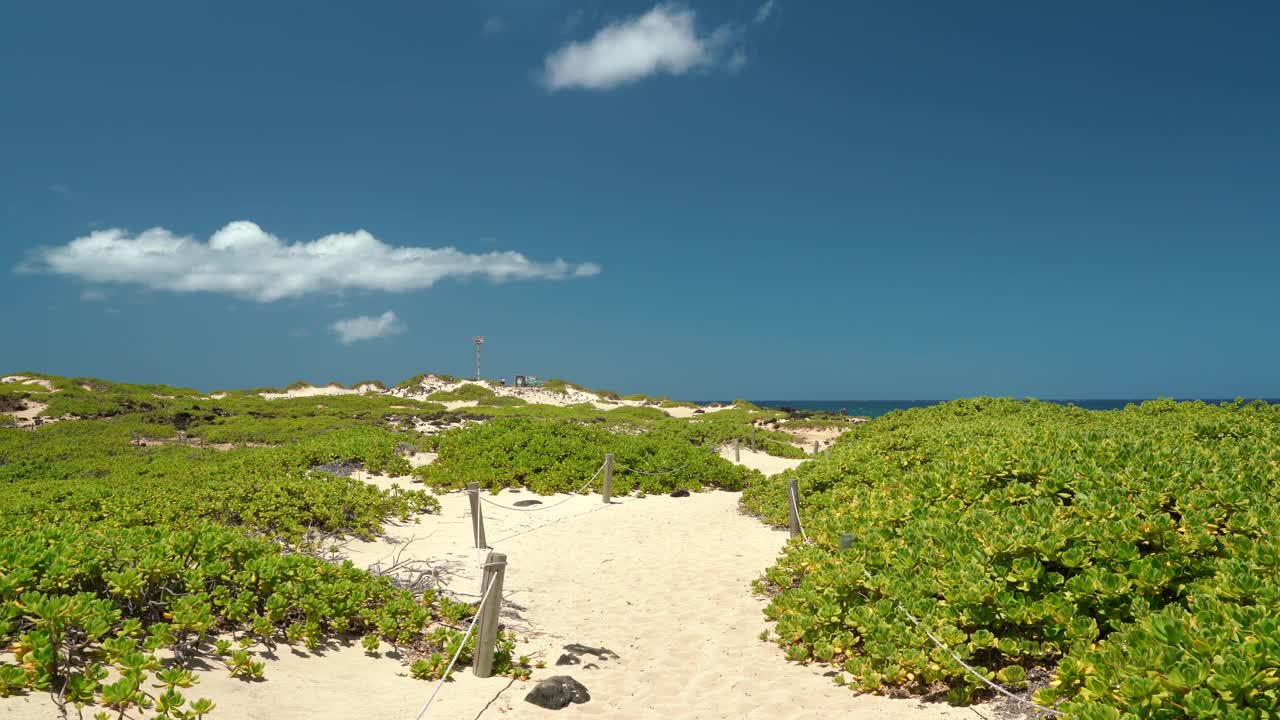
x: 662, y: 582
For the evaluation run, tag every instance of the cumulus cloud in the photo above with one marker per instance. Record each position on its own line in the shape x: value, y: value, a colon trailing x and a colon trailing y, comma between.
x: 367, y: 328
x: 764, y: 11
x: 663, y: 40
x: 245, y: 261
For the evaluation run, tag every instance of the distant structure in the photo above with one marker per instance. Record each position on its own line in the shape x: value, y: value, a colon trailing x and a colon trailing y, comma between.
x: 478, y: 340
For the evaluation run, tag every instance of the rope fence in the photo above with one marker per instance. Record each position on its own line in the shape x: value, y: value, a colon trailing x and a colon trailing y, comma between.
x: 466, y: 636
x: 486, y: 617
x: 577, y: 492
x: 652, y: 474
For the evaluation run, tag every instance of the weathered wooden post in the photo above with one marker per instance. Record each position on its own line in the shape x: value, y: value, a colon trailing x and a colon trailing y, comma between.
x: 737, y: 452
x: 495, y: 568
x: 477, y: 518
x: 753, y: 439
x: 608, y: 478
x: 815, y: 447
x: 793, y: 491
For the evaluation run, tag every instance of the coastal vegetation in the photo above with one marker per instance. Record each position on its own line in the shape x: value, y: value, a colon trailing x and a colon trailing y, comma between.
x: 1120, y: 564
x: 128, y: 537
x: 549, y: 457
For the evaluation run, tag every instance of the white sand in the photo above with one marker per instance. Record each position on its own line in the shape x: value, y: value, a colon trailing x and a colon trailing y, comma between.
x: 313, y: 391
x: 536, y: 396
x: 662, y: 582
x: 25, y: 380
x: 764, y: 462
x: 26, y: 417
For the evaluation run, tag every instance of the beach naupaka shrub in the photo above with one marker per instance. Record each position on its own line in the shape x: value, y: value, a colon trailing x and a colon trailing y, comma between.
x: 1133, y: 554
x: 550, y: 456
x: 128, y: 552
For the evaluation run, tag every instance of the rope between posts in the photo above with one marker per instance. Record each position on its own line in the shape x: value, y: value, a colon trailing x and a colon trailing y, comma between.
x: 544, y: 507
x: 553, y: 522
x: 642, y: 472
x: 941, y: 645
x: 969, y: 668
x: 474, y: 619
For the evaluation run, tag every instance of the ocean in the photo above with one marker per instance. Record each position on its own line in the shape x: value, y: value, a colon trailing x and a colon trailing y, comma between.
x: 876, y: 408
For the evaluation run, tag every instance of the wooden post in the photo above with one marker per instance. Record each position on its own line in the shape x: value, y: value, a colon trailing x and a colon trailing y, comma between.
x: 495, y: 567
x: 477, y: 517
x: 737, y: 453
x: 608, y: 478
x: 753, y: 439
x: 815, y: 447
x: 793, y: 491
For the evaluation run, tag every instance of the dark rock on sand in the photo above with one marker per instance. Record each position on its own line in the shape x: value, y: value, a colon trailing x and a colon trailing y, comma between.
x: 680, y: 493
x: 557, y: 692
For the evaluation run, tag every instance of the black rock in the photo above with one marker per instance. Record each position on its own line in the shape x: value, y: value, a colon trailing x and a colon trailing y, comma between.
x: 680, y: 493
x: 567, y: 659
x: 525, y: 503
x: 577, y: 650
x: 557, y: 692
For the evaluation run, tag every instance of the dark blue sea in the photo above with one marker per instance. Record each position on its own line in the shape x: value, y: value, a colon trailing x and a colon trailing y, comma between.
x: 876, y: 408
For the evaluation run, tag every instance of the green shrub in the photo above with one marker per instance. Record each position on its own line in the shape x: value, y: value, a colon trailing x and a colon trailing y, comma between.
x: 558, y: 456
x: 112, y: 551
x: 468, y: 391
x: 416, y: 380
x: 1135, y: 551
x: 501, y: 401
x: 556, y: 385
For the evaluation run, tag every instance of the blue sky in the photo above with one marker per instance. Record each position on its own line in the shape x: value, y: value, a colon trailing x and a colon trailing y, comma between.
x: 715, y: 199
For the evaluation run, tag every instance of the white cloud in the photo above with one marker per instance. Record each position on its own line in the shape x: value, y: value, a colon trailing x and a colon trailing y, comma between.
x: 493, y: 25
x: 243, y: 260
x: 367, y: 328
x: 664, y: 39
x: 93, y: 296
x: 737, y: 61
x: 764, y: 11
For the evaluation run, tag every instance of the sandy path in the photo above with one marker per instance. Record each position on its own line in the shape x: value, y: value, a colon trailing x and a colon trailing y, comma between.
x: 762, y: 461
x: 662, y: 582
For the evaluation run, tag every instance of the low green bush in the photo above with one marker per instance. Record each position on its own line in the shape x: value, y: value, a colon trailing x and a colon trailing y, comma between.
x: 558, y: 456
x: 121, y: 539
x: 501, y: 401
x: 1133, y: 552
x: 556, y: 385
x: 468, y: 391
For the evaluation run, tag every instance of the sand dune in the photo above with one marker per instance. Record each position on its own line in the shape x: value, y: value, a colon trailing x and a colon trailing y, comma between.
x: 313, y: 391
x: 662, y: 584
x: 25, y: 380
